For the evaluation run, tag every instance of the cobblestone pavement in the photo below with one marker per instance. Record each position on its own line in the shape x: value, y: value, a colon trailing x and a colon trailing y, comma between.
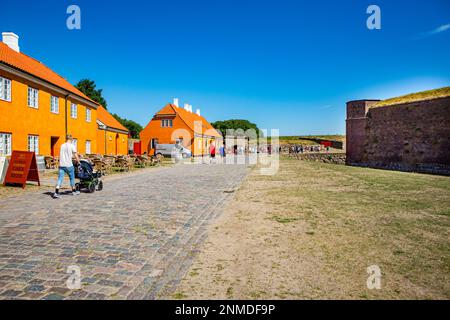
x: 134, y: 240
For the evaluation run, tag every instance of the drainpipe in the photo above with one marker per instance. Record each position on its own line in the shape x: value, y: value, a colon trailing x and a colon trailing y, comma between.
x: 65, y: 113
x: 105, y: 141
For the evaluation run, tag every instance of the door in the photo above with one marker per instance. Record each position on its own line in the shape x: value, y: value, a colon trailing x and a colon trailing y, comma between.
x: 53, y: 142
x: 117, y: 143
x: 152, y: 147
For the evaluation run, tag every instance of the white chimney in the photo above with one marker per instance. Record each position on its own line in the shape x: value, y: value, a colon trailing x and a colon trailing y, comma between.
x: 197, y: 112
x: 11, y: 40
x: 175, y: 102
x: 186, y: 107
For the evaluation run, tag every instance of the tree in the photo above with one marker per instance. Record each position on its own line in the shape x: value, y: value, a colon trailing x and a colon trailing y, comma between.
x: 88, y: 87
x: 238, y: 125
x: 134, y: 127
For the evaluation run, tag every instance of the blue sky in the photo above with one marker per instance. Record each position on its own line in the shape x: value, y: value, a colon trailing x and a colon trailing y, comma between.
x: 290, y: 65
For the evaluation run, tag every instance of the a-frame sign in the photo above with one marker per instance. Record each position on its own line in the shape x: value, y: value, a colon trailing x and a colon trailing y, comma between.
x: 22, y: 168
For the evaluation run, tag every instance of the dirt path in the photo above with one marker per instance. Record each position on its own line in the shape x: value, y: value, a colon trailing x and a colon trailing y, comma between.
x: 311, y: 231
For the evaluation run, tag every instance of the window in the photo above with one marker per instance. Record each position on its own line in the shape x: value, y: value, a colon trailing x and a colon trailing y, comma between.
x: 33, y: 97
x: 73, y: 111
x: 88, y: 147
x: 5, y: 89
x: 88, y: 115
x: 75, y: 143
x: 167, y: 123
x: 33, y: 144
x: 54, y: 104
x: 5, y: 144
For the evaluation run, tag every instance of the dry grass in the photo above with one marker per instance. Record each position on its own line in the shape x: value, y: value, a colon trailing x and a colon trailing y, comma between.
x: 419, y: 96
x: 311, y: 231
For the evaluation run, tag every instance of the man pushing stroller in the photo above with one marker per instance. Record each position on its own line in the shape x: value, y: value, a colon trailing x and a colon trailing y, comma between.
x: 66, y: 166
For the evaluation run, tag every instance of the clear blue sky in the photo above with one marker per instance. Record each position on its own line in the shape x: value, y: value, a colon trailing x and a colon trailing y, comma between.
x: 290, y: 65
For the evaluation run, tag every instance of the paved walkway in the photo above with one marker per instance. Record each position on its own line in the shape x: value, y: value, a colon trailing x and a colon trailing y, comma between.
x: 134, y: 240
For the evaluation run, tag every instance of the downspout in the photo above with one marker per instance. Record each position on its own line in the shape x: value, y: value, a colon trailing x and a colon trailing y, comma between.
x: 65, y: 113
x: 105, y: 141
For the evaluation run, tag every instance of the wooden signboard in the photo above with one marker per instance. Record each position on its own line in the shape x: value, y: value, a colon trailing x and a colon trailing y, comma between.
x: 22, y: 168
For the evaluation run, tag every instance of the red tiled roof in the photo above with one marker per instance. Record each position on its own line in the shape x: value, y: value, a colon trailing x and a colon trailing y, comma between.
x: 32, y: 66
x: 189, y: 118
x: 107, y: 119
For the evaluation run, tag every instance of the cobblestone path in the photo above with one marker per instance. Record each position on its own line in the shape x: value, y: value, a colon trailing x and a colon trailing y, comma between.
x: 134, y: 240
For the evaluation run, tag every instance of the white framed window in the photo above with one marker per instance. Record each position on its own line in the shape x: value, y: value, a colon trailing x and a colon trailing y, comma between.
x: 73, y: 111
x: 75, y: 143
x: 167, y: 123
x: 5, y: 89
x: 54, y: 104
x: 33, y: 97
x: 88, y: 115
x: 88, y: 147
x: 5, y: 144
x: 33, y: 144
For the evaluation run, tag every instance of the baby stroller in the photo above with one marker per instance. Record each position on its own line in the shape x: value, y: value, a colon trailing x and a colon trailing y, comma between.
x: 89, y: 179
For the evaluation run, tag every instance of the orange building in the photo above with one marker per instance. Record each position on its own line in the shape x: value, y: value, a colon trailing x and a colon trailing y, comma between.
x: 112, y: 136
x: 38, y: 107
x: 174, y: 124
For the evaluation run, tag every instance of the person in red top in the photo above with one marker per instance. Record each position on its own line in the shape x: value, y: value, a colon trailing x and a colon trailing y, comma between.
x: 212, y: 151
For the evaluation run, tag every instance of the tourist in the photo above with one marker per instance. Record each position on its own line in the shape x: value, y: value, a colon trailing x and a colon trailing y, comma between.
x: 212, y: 151
x: 222, y: 151
x: 66, y: 166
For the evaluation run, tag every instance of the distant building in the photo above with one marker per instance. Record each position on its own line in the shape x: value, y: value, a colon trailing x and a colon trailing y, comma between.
x: 408, y: 133
x: 173, y: 124
x: 112, y: 136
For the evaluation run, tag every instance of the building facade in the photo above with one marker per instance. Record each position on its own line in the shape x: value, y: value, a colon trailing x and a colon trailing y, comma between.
x: 173, y: 124
x: 112, y: 136
x: 38, y: 107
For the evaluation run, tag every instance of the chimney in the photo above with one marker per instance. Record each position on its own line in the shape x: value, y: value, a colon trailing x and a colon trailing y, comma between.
x: 175, y: 102
x: 11, y: 40
x: 197, y: 112
x: 186, y: 107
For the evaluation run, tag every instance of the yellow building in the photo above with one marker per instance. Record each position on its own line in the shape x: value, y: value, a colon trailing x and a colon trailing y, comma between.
x: 112, y: 137
x: 38, y: 107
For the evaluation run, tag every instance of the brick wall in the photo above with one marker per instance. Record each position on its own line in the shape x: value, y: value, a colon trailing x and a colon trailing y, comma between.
x: 411, y: 137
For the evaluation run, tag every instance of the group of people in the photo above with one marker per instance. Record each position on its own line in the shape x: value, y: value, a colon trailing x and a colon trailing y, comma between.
x: 305, y: 148
x: 212, y: 150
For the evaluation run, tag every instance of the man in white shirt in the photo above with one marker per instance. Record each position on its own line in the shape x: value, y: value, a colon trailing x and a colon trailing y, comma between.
x: 66, y: 166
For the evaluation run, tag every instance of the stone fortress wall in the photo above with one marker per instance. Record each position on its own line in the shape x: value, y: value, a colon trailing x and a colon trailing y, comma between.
x: 413, y: 136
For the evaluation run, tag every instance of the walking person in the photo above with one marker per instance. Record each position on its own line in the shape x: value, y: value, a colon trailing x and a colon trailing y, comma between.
x: 222, y: 152
x: 66, y: 166
x: 212, y: 151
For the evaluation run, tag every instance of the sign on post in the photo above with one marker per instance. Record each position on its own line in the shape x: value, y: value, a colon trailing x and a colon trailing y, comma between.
x: 22, y: 168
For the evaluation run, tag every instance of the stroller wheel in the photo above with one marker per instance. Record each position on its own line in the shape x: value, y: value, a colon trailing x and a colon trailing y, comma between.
x: 100, y: 186
x: 77, y: 187
x: 92, y: 188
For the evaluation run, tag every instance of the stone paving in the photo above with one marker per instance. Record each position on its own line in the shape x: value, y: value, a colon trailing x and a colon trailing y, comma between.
x: 134, y: 240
